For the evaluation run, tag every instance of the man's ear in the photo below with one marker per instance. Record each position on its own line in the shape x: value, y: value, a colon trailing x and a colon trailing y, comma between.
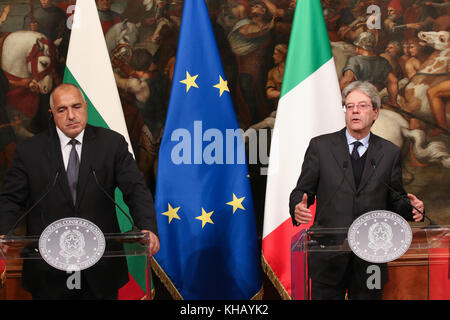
x: 377, y: 113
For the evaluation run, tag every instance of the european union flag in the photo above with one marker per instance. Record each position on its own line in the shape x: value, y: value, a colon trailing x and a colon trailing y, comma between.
x: 206, y: 222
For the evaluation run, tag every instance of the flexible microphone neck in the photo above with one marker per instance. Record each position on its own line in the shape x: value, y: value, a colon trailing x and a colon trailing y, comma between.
x: 401, y: 196
x: 50, y: 187
x: 133, y: 226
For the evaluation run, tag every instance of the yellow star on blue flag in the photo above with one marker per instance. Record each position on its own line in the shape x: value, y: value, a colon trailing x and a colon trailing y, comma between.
x: 172, y: 213
x: 205, y: 217
x: 222, y: 86
x: 236, y: 203
x: 189, y: 81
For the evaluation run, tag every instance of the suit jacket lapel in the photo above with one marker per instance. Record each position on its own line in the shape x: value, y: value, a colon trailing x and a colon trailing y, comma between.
x: 374, y: 153
x: 87, y: 151
x: 340, y: 152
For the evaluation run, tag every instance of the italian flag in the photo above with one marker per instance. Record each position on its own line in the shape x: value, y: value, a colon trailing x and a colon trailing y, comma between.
x: 89, y: 67
x: 310, y: 105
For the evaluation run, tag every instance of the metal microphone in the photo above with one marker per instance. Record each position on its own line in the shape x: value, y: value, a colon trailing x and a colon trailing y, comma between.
x: 401, y: 196
x: 133, y: 226
x: 50, y: 187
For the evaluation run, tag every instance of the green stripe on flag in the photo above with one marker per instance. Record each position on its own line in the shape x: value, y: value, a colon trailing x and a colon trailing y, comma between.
x: 302, y: 63
x: 135, y: 263
x: 94, y: 117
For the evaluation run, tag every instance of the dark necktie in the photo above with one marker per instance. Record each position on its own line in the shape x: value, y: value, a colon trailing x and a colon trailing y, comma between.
x: 73, y: 168
x: 355, y: 153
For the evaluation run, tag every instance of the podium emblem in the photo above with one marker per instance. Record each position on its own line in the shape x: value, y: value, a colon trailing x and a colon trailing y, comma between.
x: 72, y: 244
x: 379, y: 236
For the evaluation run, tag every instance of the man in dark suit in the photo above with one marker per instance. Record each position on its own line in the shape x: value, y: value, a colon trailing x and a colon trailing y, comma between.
x: 87, y: 154
x: 344, y: 171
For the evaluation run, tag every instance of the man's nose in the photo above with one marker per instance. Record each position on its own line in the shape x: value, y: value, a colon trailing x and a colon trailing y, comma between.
x: 70, y: 113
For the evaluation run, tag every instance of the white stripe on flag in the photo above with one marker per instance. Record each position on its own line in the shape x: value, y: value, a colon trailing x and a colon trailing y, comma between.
x: 88, y: 61
x: 303, y: 113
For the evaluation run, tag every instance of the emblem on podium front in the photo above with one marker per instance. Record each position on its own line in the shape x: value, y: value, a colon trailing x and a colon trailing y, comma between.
x: 72, y: 244
x: 379, y: 236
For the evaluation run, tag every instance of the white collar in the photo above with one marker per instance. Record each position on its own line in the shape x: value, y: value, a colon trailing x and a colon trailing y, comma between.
x: 351, y: 139
x: 65, y: 139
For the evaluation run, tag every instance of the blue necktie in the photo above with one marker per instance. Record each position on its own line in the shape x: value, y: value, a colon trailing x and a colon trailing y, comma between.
x: 355, y: 153
x: 73, y: 168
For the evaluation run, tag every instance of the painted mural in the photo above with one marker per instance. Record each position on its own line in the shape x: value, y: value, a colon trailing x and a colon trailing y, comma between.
x: 401, y: 46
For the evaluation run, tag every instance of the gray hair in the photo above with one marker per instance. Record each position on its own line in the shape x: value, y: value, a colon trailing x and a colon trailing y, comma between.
x: 65, y: 85
x: 367, y: 88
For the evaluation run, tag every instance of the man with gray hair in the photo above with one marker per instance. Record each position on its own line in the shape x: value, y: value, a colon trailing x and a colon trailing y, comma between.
x: 349, y: 172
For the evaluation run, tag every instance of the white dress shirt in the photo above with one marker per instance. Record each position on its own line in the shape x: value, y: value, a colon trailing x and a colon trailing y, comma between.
x: 66, y: 147
x: 363, y: 148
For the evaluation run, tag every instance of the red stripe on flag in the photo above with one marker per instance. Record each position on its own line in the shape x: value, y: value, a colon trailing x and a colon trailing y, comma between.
x: 276, y: 248
x: 439, y: 274
x: 2, y: 272
x: 131, y: 291
x: 276, y: 251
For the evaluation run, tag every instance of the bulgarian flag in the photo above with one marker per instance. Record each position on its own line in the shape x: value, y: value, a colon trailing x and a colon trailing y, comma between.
x: 310, y: 105
x: 89, y: 67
